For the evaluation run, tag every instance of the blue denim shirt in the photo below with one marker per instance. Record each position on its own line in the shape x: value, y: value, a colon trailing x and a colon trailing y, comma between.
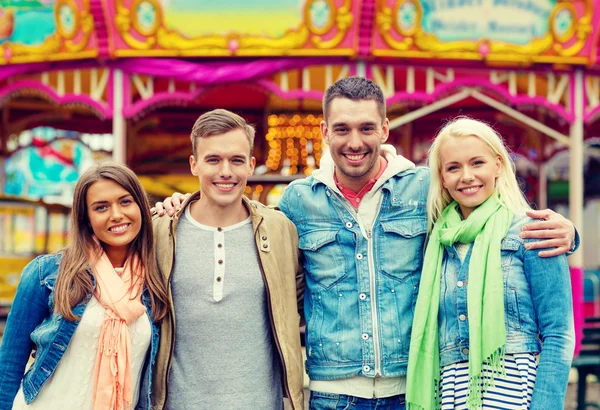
x: 361, y: 286
x: 32, y: 323
x: 538, y: 312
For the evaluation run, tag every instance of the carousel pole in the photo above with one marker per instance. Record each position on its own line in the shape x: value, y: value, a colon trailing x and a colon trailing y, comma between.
x: 576, y: 198
x: 542, y: 186
x: 3, y: 148
x: 118, y: 120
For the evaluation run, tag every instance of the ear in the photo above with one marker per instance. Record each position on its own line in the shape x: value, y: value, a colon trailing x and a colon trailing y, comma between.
x: 499, y: 165
x: 252, y: 165
x: 325, y: 132
x: 385, y: 131
x: 193, y: 165
x: 443, y: 182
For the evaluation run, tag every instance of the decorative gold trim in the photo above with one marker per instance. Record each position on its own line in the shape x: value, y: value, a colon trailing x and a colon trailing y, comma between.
x: 384, y: 22
x: 308, y: 22
x: 583, y: 29
x: 136, y: 23
x: 59, y: 27
x: 174, y: 44
x: 343, y: 22
x: 557, y: 9
x: 412, y: 31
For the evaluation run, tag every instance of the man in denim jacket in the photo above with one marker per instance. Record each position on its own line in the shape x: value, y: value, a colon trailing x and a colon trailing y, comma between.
x: 362, y: 222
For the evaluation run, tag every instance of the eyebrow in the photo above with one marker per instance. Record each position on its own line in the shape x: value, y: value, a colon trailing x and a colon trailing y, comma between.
x: 456, y: 162
x: 104, y: 202
x: 234, y: 156
x: 362, y: 124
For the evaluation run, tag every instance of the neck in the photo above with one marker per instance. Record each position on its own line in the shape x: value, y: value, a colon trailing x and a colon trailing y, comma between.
x: 116, y: 256
x: 355, y: 184
x: 211, y: 214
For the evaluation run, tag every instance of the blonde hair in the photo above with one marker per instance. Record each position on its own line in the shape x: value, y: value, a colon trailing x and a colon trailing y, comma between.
x: 507, y: 186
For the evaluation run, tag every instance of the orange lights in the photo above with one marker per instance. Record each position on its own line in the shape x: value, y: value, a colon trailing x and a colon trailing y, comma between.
x: 294, y: 143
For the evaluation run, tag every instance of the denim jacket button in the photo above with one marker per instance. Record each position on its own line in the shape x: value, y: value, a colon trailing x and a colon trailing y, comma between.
x: 366, y: 369
x: 362, y: 296
x: 460, y: 283
x: 465, y: 351
x: 462, y: 318
x: 365, y: 336
x: 348, y: 225
x: 359, y: 256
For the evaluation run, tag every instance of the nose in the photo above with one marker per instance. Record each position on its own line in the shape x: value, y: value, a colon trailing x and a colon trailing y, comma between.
x: 116, y: 213
x: 467, y: 175
x: 225, y: 170
x: 355, y: 142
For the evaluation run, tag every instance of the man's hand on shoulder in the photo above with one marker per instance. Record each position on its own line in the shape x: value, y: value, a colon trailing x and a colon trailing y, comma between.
x: 170, y: 205
x: 556, y: 232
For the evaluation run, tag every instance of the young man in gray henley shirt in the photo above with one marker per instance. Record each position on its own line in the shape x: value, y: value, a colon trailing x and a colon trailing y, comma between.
x: 231, y: 340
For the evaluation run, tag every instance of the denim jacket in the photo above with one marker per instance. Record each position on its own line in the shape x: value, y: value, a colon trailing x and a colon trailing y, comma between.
x: 538, y: 312
x: 33, y: 324
x: 361, y: 282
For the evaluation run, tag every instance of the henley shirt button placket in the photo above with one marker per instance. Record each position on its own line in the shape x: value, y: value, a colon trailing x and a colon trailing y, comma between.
x: 219, y: 268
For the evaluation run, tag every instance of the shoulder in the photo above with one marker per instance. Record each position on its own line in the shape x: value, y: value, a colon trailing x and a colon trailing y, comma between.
x: 298, y: 185
x: 272, y: 215
x: 416, y: 172
x: 514, y: 231
x: 41, y: 267
x: 161, y: 223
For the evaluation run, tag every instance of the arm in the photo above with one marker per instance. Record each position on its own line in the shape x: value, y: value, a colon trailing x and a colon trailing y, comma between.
x: 552, y: 300
x: 556, y: 231
x: 29, y: 309
x: 283, y: 206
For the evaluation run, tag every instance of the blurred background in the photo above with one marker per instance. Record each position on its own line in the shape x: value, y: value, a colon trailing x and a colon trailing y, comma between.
x: 83, y: 81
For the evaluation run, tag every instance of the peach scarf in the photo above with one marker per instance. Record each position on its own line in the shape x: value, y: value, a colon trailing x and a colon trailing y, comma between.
x: 121, y: 297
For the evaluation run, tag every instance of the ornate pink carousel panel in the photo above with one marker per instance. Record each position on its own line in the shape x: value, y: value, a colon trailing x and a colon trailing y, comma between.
x: 233, y: 28
x: 48, y: 30
x: 548, y: 31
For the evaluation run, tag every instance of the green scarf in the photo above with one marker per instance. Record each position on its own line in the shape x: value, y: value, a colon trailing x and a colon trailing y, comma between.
x: 486, y: 226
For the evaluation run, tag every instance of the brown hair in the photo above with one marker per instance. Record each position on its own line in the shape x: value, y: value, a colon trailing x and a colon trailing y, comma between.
x: 74, y: 281
x: 355, y: 89
x: 220, y: 121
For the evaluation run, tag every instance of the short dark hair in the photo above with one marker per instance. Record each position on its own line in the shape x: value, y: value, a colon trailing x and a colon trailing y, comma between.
x: 220, y: 121
x: 354, y: 88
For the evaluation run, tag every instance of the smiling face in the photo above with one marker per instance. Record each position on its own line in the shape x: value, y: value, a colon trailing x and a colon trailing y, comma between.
x: 354, y: 132
x: 222, y: 163
x: 469, y: 170
x: 114, y: 217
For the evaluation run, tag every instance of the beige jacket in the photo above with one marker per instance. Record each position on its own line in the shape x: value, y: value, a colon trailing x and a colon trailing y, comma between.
x: 277, y: 242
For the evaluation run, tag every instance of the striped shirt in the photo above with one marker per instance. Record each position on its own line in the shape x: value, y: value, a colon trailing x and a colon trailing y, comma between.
x: 510, y: 391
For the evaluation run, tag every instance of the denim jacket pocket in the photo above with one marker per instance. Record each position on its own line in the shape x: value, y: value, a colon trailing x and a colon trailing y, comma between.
x: 512, y: 309
x: 323, y: 256
x: 402, y: 246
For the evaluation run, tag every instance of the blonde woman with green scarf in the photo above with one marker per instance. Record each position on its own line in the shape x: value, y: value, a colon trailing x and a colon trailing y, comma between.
x: 493, y: 325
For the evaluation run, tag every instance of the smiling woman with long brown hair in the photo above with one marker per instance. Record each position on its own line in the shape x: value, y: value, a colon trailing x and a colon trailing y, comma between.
x: 90, y: 312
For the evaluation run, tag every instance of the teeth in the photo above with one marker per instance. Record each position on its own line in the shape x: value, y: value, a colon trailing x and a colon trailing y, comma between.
x: 470, y: 190
x: 119, y: 229
x: 225, y: 185
x: 355, y: 157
